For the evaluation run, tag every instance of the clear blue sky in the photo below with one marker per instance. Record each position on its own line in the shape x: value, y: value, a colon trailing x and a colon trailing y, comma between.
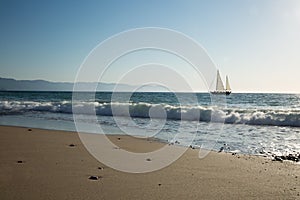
x: 256, y: 42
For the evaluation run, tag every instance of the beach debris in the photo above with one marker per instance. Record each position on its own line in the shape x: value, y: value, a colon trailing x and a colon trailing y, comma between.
x: 29, y: 129
x: 119, y: 138
x: 148, y: 159
x: 95, y: 178
x: 294, y: 157
x: 221, y: 149
x: 224, y: 148
x: 159, y: 184
x: 172, y: 142
x: 72, y: 145
x: 20, y: 161
x: 278, y: 158
x: 261, y: 151
x: 101, y: 168
x: 234, y: 152
x: 289, y: 157
x: 195, y: 147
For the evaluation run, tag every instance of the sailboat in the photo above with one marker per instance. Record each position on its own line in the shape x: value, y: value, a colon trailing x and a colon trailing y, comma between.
x: 220, y: 89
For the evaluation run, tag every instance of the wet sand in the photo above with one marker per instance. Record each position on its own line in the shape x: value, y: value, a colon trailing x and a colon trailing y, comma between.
x: 46, y: 164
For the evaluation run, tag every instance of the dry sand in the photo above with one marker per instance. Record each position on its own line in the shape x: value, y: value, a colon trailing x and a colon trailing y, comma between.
x: 51, y: 169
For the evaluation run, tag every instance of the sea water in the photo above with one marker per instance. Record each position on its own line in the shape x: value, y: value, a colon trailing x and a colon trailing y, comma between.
x: 247, y: 123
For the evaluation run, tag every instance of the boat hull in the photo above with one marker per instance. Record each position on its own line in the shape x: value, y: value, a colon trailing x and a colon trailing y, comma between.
x: 221, y: 92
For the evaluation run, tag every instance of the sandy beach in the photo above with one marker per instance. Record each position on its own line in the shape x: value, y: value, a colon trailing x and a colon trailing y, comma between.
x: 47, y: 164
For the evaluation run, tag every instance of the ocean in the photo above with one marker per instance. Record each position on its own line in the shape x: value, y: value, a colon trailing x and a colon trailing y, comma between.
x: 249, y: 123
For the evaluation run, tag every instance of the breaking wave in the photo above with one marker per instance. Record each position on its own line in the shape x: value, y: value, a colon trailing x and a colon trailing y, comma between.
x: 146, y: 110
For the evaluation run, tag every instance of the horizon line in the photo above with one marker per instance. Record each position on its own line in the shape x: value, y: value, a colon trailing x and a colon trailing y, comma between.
x: 200, y: 91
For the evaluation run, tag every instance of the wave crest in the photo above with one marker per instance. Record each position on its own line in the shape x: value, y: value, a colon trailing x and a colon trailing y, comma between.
x: 147, y: 110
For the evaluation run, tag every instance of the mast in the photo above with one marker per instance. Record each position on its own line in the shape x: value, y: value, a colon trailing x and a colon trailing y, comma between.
x: 227, y: 84
x: 219, y: 86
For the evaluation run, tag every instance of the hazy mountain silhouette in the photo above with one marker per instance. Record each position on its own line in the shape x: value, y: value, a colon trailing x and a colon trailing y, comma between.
x: 9, y: 84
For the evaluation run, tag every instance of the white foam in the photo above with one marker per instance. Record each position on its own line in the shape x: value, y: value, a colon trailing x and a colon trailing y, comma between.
x: 176, y: 112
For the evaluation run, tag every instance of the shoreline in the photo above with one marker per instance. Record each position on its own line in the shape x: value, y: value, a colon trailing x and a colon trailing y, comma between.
x: 271, y: 157
x: 50, y: 164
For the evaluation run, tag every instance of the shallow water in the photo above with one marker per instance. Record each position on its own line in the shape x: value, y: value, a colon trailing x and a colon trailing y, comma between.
x: 246, y: 123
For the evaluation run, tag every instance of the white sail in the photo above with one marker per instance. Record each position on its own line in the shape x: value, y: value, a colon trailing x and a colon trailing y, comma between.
x: 227, y: 84
x: 220, y: 90
x: 220, y: 86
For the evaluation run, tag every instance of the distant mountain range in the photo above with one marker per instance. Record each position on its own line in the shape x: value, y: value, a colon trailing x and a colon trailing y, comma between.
x: 9, y: 84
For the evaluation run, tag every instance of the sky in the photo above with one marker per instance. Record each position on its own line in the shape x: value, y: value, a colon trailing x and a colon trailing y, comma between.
x: 255, y: 42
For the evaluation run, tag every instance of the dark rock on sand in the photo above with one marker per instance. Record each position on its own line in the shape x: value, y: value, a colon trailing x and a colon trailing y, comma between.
x: 278, y: 158
x: 224, y: 148
x: 95, y: 178
x: 176, y: 142
x: 290, y: 157
x: 221, y: 149
x: 71, y: 145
